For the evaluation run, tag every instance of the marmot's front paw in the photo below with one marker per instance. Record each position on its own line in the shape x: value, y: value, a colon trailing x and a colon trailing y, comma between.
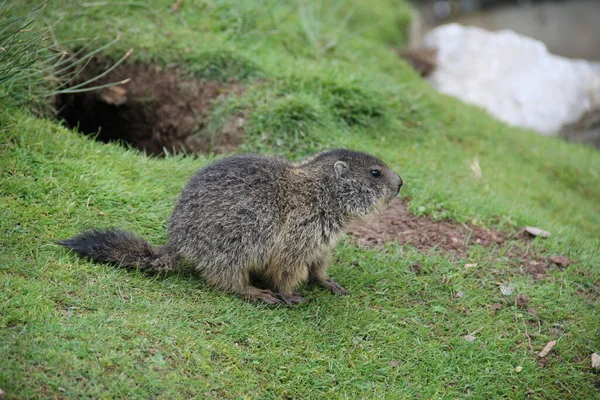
x: 292, y: 299
x: 265, y: 296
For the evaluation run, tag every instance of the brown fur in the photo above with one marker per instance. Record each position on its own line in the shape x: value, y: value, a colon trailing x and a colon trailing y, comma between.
x: 248, y: 218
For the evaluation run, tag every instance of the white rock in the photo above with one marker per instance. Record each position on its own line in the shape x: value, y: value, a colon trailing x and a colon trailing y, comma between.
x: 513, y: 77
x: 533, y: 231
x: 506, y: 290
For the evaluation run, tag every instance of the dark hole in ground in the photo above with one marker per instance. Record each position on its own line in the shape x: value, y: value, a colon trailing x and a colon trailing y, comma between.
x: 157, y: 110
x: 397, y: 224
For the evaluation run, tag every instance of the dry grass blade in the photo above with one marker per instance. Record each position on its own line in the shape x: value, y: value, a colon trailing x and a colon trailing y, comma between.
x: 33, y: 67
x: 547, y: 348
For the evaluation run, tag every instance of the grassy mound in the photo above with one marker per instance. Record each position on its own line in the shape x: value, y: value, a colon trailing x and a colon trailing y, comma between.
x: 315, y: 75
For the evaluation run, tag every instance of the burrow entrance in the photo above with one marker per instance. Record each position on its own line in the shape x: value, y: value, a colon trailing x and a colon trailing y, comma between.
x: 158, y: 111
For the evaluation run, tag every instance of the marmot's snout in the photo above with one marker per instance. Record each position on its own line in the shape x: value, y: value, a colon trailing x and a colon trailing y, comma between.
x: 400, y: 183
x: 393, y: 183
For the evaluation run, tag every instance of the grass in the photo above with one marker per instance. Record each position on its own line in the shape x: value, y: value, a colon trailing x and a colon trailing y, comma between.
x: 70, y: 328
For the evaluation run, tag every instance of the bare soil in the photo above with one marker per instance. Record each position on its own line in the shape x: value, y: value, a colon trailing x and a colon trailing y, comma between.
x: 158, y: 110
x: 397, y: 224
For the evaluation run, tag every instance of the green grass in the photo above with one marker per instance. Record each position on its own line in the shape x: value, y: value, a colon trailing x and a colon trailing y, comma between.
x: 70, y: 328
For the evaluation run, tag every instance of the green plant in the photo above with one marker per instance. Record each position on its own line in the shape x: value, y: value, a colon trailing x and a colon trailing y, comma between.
x: 34, y: 67
x: 286, y: 123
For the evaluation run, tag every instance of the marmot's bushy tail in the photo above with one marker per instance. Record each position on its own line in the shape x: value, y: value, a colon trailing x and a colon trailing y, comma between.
x: 122, y: 248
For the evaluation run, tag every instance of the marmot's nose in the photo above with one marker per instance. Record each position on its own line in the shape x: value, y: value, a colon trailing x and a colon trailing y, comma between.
x: 400, y: 183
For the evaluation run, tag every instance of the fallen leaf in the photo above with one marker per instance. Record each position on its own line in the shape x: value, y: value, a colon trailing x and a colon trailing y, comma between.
x: 547, y: 348
x: 595, y: 360
x: 518, y: 369
x: 459, y: 294
x: 470, y: 265
x: 533, y: 231
x: 395, y: 363
x: 2, y: 394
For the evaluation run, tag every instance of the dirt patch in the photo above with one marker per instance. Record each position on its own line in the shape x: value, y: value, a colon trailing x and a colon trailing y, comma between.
x: 397, y: 224
x: 158, y: 110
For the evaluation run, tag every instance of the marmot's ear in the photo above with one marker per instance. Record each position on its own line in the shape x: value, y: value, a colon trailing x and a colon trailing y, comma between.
x: 340, y: 168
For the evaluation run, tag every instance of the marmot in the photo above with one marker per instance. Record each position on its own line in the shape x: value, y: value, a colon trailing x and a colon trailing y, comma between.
x: 249, y: 217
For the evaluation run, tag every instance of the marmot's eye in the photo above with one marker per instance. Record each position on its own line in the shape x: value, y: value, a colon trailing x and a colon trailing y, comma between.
x: 375, y: 172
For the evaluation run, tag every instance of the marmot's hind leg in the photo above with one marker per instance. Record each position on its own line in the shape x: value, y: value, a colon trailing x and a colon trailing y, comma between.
x: 238, y: 283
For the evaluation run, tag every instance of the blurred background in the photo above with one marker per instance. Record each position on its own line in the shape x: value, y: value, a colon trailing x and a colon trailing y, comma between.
x: 569, y: 28
x: 533, y: 64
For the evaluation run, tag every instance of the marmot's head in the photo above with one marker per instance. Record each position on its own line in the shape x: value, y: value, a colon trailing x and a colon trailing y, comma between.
x: 360, y: 183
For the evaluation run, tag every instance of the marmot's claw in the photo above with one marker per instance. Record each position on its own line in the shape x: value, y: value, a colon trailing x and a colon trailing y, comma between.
x: 292, y: 299
x: 335, y: 287
x: 266, y: 296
